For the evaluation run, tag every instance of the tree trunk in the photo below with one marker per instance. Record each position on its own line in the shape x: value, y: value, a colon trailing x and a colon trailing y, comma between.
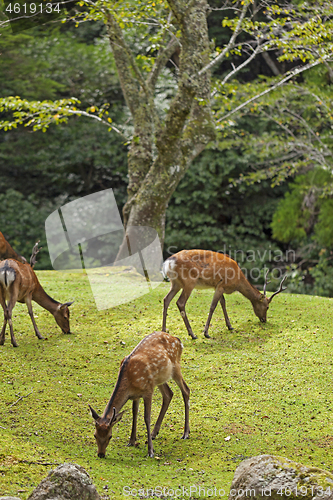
x: 160, y: 153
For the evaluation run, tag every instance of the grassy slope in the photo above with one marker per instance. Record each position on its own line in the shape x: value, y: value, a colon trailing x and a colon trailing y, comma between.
x: 268, y: 387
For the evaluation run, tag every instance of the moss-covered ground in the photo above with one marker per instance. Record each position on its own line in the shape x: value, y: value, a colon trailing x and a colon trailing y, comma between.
x: 262, y: 388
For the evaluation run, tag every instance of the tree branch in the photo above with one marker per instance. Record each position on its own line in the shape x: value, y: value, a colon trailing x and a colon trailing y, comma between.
x: 271, y: 64
x: 22, y: 110
x: 293, y: 73
x: 99, y: 119
x: 161, y: 60
x: 230, y: 44
x: 125, y: 62
x: 19, y: 399
x: 256, y: 51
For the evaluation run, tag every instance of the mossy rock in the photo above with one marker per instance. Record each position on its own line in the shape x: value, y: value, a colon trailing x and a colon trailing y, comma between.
x: 278, y: 478
x: 66, y: 482
x: 9, y: 498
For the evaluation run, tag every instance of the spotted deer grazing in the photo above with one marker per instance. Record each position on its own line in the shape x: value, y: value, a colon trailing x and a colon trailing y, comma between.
x: 19, y: 283
x: 7, y: 252
x: 191, y: 269
x: 154, y: 361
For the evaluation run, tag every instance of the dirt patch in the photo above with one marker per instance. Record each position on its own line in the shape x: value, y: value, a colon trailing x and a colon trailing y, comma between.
x: 8, y: 461
x: 325, y: 442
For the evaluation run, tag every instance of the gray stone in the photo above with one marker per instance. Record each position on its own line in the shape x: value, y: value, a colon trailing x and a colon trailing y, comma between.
x: 9, y: 498
x: 66, y: 482
x: 277, y: 478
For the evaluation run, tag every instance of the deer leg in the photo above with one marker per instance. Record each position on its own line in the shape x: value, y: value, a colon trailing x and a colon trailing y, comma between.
x: 175, y: 287
x: 2, y: 334
x: 9, y: 319
x: 147, y: 402
x: 181, y: 302
x: 4, y: 307
x: 135, y: 409
x: 31, y: 314
x: 185, y: 390
x: 212, y: 308
x: 227, y: 321
x: 167, y: 396
x: 12, y: 338
x: 8, y: 313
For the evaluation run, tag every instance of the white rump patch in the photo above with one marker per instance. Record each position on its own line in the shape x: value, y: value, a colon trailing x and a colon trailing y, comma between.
x: 7, y: 276
x: 168, y: 265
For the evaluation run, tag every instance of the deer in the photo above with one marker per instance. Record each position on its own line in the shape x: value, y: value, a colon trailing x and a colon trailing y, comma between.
x: 19, y: 283
x: 7, y: 252
x: 189, y: 269
x: 153, y: 362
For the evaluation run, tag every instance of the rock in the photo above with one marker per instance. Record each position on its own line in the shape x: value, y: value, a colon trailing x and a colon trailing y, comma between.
x: 66, y: 482
x: 276, y: 478
x: 9, y: 498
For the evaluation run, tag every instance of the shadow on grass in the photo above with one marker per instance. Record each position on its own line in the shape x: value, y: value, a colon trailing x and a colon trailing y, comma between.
x: 241, y: 338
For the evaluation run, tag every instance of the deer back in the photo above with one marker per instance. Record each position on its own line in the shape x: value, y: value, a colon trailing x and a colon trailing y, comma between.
x: 152, y: 362
x: 203, y: 269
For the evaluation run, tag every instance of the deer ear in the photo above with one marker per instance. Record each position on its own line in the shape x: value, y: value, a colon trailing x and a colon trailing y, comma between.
x: 66, y: 304
x: 116, y: 417
x: 94, y: 413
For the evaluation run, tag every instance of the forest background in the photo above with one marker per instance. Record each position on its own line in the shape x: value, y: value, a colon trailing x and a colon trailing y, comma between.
x: 260, y: 191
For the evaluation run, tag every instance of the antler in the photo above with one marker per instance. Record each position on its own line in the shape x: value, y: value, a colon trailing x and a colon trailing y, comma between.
x: 280, y: 288
x: 266, y: 283
x: 35, y: 251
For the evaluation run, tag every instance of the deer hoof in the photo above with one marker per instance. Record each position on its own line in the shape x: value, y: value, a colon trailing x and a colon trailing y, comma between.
x: 185, y: 435
x: 206, y: 334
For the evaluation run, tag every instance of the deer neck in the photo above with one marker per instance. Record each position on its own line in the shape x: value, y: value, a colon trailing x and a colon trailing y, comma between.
x: 44, y: 300
x: 251, y: 293
x: 120, y: 393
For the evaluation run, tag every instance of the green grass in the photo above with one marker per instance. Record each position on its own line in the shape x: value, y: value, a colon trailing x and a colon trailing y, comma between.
x: 268, y: 387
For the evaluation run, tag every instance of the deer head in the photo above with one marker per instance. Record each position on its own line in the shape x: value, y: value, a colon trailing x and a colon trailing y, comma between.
x: 261, y: 306
x: 103, y: 429
x: 61, y: 315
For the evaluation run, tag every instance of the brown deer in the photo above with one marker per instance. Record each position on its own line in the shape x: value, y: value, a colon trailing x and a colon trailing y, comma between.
x: 191, y: 269
x: 7, y: 252
x: 154, y: 361
x: 19, y: 283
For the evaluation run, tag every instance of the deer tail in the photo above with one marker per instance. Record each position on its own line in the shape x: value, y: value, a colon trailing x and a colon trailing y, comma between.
x: 168, y: 265
x: 7, y: 275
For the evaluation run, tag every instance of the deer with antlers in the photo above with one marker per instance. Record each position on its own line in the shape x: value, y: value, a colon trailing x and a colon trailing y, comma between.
x: 191, y: 269
x: 154, y: 361
x: 7, y: 252
x: 19, y: 283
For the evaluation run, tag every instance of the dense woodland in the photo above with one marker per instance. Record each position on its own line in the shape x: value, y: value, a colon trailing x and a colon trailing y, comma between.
x: 260, y: 191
